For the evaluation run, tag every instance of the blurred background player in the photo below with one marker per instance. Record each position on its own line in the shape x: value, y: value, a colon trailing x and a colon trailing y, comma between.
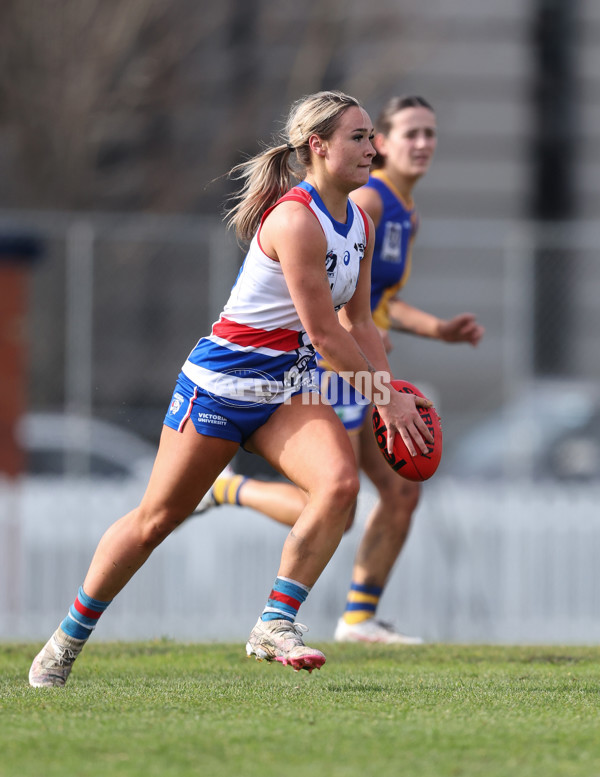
x: 405, y: 140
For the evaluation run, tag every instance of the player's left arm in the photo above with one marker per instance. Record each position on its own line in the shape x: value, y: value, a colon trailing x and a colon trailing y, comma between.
x: 463, y: 328
x: 356, y: 315
x: 357, y: 319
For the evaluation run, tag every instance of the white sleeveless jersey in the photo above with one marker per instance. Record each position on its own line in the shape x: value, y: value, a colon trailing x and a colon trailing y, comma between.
x: 258, y: 351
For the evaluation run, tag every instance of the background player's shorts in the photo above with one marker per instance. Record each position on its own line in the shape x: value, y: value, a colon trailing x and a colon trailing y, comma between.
x: 350, y: 406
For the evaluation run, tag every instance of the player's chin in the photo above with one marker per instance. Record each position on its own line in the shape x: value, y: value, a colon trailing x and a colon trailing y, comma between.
x: 420, y: 168
x: 362, y: 175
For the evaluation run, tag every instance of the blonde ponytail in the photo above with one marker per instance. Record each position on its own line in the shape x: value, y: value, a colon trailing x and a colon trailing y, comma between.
x: 269, y: 175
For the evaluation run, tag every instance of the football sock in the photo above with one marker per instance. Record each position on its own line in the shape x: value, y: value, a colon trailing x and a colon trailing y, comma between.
x: 226, y: 490
x: 284, y: 600
x: 362, y: 602
x: 83, y: 616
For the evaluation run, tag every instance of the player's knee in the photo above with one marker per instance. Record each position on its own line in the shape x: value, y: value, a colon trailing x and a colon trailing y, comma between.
x: 350, y: 518
x: 338, y: 491
x: 410, y: 494
x: 156, y: 525
x: 400, y: 493
x: 346, y: 489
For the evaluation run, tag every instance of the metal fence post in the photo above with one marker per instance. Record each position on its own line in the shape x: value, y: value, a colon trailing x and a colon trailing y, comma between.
x: 79, y: 342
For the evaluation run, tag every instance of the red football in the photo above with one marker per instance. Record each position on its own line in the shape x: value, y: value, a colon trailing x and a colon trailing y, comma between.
x: 423, y: 465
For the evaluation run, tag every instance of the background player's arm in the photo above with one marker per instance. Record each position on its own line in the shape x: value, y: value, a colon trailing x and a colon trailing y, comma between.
x: 406, y: 318
x: 463, y: 328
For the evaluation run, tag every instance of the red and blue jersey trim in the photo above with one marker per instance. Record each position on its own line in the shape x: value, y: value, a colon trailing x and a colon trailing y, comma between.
x: 247, y: 336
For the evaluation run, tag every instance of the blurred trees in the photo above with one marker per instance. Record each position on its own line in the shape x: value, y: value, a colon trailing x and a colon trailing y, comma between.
x: 85, y: 88
x: 96, y: 95
x: 141, y: 105
x: 115, y: 105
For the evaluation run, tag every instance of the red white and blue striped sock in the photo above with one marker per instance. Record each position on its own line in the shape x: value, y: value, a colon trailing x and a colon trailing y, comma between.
x: 284, y: 600
x: 83, y: 615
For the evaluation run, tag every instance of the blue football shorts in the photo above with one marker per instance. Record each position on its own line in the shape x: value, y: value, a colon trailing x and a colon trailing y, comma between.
x: 214, y: 418
x: 351, y: 406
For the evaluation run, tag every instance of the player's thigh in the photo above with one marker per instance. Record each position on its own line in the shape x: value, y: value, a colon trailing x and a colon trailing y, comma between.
x: 186, y: 465
x: 306, y: 442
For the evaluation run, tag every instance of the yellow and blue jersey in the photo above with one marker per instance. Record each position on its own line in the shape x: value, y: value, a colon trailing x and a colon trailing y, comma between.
x: 394, y: 239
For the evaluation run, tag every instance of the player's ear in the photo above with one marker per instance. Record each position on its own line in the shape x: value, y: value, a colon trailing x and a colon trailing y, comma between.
x: 380, y: 143
x: 317, y: 145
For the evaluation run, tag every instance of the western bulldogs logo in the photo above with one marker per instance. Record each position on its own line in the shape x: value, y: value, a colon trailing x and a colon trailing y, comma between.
x: 176, y: 403
x: 331, y: 261
x: 294, y: 377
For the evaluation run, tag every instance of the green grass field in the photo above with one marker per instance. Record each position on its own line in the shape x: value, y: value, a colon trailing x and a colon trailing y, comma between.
x: 163, y: 708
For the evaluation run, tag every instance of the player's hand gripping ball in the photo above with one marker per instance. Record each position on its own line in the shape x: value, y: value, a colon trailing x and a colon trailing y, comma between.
x: 423, y: 465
